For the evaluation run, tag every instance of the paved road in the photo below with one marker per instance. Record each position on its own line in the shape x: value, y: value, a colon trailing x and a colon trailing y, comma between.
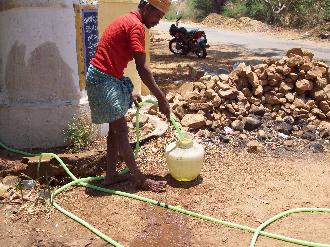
x: 262, y: 45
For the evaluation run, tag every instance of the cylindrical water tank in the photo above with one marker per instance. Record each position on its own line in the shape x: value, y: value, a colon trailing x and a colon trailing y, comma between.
x: 39, y: 82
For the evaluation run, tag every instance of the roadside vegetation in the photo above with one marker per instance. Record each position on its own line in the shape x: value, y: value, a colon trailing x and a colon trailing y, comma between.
x: 284, y: 13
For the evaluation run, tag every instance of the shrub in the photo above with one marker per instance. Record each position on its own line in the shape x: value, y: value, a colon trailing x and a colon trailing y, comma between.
x: 235, y: 11
x: 79, y: 133
x: 201, y: 8
x: 170, y: 15
x: 293, y: 13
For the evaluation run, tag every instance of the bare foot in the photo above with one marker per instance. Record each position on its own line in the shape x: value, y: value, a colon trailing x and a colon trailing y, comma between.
x: 155, y: 186
x: 113, y: 179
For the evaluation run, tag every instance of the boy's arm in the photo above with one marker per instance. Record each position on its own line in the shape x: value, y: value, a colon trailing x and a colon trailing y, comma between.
x: 148, y: 79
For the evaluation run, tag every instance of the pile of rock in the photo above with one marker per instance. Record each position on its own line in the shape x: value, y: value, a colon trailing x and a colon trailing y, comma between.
x: 244, y: 23
x: 289, y: 89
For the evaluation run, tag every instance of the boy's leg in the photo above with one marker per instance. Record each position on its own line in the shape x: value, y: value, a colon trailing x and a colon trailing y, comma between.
x: 112, y: 160
x: 120, y: 132
x: 112, y: 152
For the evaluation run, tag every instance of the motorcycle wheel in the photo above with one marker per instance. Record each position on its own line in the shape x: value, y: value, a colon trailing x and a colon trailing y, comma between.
x: 201, y: 52
x: 176, y: 48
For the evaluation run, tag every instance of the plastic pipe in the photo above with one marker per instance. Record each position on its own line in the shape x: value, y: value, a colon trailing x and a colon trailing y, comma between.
x: 281, y: 215
x: 84, y: 182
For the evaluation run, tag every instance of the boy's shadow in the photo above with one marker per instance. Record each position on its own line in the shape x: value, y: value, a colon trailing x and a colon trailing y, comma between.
x: 130, y: 187
x: 125, y: 186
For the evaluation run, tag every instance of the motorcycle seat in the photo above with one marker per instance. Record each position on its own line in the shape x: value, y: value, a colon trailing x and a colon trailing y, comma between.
x: 193, y: 31
x: 182, y: 30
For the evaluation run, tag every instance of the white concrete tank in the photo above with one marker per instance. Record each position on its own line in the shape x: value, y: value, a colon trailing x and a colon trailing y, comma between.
x: 39, y: 82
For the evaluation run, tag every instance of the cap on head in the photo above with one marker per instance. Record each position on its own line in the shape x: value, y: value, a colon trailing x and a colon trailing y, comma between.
x: 161, y: 5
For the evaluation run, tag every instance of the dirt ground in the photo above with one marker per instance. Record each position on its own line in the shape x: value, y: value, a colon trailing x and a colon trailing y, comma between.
x: 234, y: 185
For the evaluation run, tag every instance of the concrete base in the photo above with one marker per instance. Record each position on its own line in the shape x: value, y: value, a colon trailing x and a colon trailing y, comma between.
x: 39, y: 126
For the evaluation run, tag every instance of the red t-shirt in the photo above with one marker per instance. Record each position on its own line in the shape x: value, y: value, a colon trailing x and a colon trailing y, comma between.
x: 119, y: 41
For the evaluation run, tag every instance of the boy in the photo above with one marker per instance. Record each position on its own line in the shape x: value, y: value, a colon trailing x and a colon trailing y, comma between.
x: 110, y: 93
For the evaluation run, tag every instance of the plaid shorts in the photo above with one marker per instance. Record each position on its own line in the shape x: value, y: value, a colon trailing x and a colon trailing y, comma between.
x: 109, y: 97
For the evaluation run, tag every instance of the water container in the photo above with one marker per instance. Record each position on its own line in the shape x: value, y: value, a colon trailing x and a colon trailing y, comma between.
x: 184, y: 158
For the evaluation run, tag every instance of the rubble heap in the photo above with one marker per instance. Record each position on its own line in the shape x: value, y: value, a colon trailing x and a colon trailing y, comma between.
x: 292, y: 88
x: 245, y: 23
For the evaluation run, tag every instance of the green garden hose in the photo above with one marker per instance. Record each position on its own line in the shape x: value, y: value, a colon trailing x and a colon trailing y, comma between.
x: 286, y: 213
x: 85, y: 182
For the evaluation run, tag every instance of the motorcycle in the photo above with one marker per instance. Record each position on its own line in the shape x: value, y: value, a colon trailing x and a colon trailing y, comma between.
x: 185, y: 41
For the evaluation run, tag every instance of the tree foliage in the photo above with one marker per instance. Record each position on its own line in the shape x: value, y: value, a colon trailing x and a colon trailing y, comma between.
x: 295, y: 13
x: 202, y: 8
x: 291, y: 13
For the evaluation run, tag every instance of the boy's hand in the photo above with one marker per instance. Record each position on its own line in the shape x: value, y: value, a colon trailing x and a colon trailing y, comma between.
x: 164, y: 107
x: 136, y: 98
